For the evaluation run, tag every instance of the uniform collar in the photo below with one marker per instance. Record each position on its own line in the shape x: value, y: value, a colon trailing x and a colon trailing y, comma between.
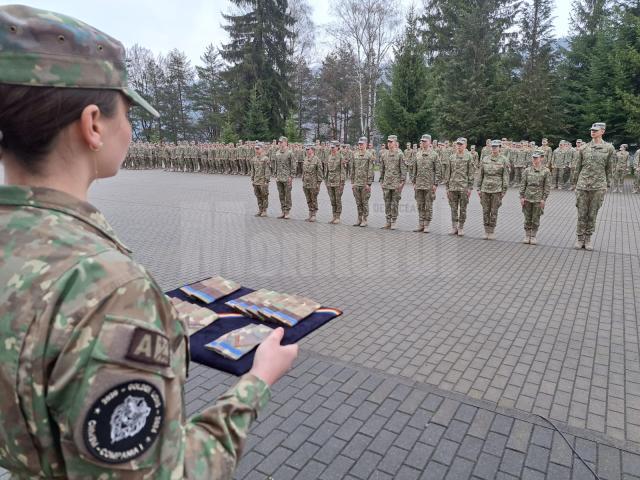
x: 50, y: 199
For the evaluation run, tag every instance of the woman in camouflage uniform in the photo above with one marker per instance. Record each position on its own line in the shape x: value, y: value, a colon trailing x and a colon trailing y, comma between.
x: 93, y: 355
x: 493, y: 182
x: 534, y: 190
x: 311, y: 180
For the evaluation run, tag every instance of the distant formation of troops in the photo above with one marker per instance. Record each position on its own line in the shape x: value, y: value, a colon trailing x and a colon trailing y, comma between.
x: 590, y: 169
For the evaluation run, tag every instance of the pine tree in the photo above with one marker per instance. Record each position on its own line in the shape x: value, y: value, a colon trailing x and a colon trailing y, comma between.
x: 465, y: 40
x: 534, y: 99
x: 259, y: 51
x: 291, y: 130
x: 257, y: 124
x: 404, y: 108
x: 228, y: 134
x: 179, y: 78
x: 207, y: 95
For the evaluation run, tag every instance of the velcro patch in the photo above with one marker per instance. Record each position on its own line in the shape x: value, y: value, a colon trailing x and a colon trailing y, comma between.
x: 124, y: 422
x: 149, y: 347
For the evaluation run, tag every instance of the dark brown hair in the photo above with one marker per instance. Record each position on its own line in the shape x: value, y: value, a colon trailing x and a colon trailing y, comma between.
x: 32, y: 117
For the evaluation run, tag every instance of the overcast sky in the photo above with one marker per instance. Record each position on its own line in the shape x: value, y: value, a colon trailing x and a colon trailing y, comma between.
x: 189, y: 25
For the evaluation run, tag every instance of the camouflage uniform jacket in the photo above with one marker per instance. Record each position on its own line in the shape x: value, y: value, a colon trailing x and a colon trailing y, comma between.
x: 311, y: 172
x: 260, y: 170
x: 425, y: 170
x: 83, y: 326
x: 362, y: 169
x: 536, y: 184
x: 459, y: 172
x: 393, y: 169
x: 284, y: 165
x: 494, y: 175
x: 593, y: 168
x: 335, y: 174
x: 622, y: 160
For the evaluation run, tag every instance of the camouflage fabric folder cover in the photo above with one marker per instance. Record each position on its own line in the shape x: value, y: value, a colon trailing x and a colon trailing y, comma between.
x: 268, y: 305
x: 210, y: 290
x: 239, y: 342
x: 194, y: 316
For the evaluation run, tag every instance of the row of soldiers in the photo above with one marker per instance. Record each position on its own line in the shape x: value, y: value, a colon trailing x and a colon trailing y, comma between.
x: 235, y: 159
x: 460, y: 171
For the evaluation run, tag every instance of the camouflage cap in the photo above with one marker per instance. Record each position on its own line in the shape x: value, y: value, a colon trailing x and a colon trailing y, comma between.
x: 538, y: 153
x: 258, y: 145
x: 461, y: 141
x: 425, y: 138
x: 283, y: 139
x: 496, y: 143
x: 579, y: 140
x: 598, y: 126
x: 45, y: 49
x: 392, y: 138
x: 362, y: 140
x: 309, y: 146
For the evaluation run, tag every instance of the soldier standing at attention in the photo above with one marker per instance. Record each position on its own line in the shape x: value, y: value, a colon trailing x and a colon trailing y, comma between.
x: 548, y: 153
x: 311, y: 180
x: 260, y: 177
x: 424, y: 173
x: 558, y: 159
x: 361, y: 175
x: 459, y: 182
x: 575, y: 153
x: 94, y: 357
x: 393, y: 173
x: 534, y: 191
x: 284, y: 170
x: 621, y: 168
x: 335, y: 176
x: 592, y: 179
x: 492, y: 186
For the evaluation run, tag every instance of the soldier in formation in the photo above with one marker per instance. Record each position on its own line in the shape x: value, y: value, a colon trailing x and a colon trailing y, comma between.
x: 493, y: 182
x: 361, y: 176
x: 393, y: 172
x: 424, y: 173
x: 284, y: 168
x: 592, y: 178
x: 312, y: 175
x: 534, y: 191
x: 260, y: 177
x: 459, y: 179
x: 335, y: 176
x: 620, y: 169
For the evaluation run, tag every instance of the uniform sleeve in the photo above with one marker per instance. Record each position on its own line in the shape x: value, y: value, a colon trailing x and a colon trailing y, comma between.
x: 403, y: 168
x: 578, y: 168
x: 116, y: 390
x: 382, y: 169
x: 370, y: 172
x: 523, y: 182
x: 471, y: 174
x: 319, y: 172
x: 608, y: 166
x: 413, y: 170
x: 505, y: 176
x: 547, y: 185
x: 292, y: 164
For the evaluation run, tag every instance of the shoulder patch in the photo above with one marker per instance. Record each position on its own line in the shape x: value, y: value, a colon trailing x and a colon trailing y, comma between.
x: 149, y: 347
x: 124, y: 422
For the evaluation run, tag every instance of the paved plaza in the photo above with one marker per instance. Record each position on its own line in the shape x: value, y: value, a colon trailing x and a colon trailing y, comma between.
x: 449, y: 350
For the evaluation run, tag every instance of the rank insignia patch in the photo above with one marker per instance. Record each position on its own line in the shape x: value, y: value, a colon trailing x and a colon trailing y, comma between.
x: 149, y: 347
x: 124, y: 422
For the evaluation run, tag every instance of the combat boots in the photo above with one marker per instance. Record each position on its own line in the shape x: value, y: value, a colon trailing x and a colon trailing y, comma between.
x: 258, y: 214
x: 426, y: 227
x: 527, y: 237
x: 357, y: 224
x: 387, y: 225
x: 392, y: 226
x: 579, y: 243
x: 587, y: 243
x: 460, y: 230
x: 454, y: 229
x: 264, y: 213
x: 420, y: 227
x: 312, y: 218
x: 364, y: 222
x: 282, y: 215
x: 336, y: 221
x: 308, y: 219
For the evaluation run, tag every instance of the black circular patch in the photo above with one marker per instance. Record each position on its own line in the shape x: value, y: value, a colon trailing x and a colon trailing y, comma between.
x: 124, y: 422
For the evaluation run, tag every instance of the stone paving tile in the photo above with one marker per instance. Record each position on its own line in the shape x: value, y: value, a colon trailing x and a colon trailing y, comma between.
x: 464, y: 375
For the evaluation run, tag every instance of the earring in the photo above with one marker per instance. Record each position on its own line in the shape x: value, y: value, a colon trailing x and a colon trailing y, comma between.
x: 98, y: 148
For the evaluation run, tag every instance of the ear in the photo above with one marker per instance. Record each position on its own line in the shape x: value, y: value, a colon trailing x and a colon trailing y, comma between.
x: 91, y: 127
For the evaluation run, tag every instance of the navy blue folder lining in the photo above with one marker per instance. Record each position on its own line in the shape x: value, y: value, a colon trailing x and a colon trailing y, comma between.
x: 230, y: 320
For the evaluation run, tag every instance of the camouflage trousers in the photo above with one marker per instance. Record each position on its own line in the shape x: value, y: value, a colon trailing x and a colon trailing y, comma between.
x: 362, y: 195
x: 391, y: 201
x: 284, y: 192
x: 557, y: 176
x: 532, y: 213
x: 311, y: 194
x: 424, y: 202
x: 299, y: 169
x: 335, y: 195
x: 262, y: 195
x: 588, y: 203
x: 618, y: 179
x: 490, y: 204
x: 517, y: 176
x: 458, y: 202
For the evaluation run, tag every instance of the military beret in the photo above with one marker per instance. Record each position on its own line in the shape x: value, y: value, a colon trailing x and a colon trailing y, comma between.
x: 538, y: 153
x: 362, y: 140
x: 598, y: 126
x: 392, y: 138
x: 41, y: 48
x: 461, y: 141
x: 496, y: 143
x: 426, y: 137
